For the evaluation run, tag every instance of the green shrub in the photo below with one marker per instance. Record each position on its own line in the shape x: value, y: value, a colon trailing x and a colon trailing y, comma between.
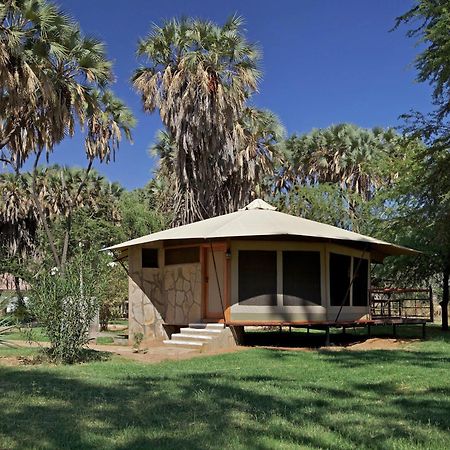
x: 65, y: 305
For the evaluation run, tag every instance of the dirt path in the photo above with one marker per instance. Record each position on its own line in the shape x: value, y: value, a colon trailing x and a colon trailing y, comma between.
x: 153, y: 354
x: 158, y: 352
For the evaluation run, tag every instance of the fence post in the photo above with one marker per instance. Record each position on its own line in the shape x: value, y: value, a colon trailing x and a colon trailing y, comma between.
x: 431, y: 304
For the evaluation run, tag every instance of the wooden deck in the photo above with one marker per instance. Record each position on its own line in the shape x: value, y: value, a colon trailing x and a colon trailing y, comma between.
x: 328, y: 325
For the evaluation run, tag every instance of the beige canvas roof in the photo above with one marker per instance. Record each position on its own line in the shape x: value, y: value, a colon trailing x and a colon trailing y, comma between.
x: 259, y: 219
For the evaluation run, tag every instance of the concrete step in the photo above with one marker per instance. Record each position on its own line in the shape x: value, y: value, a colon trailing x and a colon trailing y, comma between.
x: 203, y: 337
x: 208, y: 326
x: 203, y: 331
x: 191, y: 337
x: 184, y: 344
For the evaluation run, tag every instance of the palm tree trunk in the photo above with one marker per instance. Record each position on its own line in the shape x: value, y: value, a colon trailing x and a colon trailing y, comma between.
x: 69, y: 217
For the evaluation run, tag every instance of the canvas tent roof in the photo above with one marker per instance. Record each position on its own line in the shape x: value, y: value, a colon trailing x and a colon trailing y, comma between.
x: 259, y: 219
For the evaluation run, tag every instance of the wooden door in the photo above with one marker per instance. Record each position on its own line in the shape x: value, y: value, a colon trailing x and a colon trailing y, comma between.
x: 215, y: 266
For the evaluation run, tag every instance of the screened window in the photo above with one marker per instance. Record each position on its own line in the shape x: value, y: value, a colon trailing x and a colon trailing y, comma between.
x: 257, y: 277
x: 183, y: 255
x: 339, y: 279
x: 301, y: 278
x: 150, y: 258
x: 360, y: 281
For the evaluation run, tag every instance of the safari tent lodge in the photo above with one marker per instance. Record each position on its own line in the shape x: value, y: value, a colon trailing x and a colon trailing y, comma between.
x: 258, y: 266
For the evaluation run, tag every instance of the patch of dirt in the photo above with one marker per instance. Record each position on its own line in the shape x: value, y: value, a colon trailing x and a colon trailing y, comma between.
x: 158, y: 352
x: 116, y: 327
x: 379, y: 344
x: 368, y: 344
x: 10, y: 361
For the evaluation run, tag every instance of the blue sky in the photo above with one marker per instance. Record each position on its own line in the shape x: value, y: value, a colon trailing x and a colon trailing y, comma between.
x: 324, y: 62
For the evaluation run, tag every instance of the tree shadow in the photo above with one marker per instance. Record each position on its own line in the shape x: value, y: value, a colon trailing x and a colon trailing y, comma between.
x: 352, y: 336
x: 220, y: 406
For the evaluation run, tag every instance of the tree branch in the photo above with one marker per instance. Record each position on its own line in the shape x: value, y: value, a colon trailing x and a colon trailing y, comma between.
x: 41, y: 212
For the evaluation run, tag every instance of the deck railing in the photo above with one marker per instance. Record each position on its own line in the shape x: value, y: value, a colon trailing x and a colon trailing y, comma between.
x: 405, y: 303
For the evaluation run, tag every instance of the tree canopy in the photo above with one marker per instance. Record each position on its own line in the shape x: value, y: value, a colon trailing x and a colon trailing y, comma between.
x: 199, y: 77
x: 52, y: 77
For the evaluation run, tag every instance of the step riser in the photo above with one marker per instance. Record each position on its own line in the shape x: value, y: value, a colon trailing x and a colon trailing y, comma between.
x: 212, y: 326
x: 200, y: 331
x: 184, y: 344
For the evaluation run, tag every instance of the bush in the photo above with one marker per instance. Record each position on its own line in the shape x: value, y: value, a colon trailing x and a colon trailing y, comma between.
x: 65, y: 304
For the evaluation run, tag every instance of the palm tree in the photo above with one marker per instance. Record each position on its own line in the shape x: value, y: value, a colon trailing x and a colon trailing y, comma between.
x: 59, y: 196
x: 258, y: 158
x: 199, y: 76
x: 18, y: 219
x: 51, y: 78
x: 352, y: 157
x: 356, y: 162
x: 251, y: 176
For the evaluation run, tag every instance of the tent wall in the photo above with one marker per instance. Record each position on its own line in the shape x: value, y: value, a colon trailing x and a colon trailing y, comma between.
x: 262, y: 262
x: 290, y: 282
x: 351, y: 309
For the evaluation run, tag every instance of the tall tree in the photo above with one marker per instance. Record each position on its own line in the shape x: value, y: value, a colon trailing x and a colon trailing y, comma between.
x: 53, y: 78
x: 344, y: 166
x: 199, y: 76
x: 430, y: 25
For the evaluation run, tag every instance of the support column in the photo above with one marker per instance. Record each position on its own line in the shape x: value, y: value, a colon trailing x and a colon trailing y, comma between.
x: 327, y: 337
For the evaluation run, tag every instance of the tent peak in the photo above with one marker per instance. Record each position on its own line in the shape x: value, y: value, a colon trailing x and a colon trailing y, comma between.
x: 258, y: 204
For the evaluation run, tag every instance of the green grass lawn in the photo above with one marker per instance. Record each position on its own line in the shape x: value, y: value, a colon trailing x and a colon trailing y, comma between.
x: 254, y: 399
x: 22, y: 333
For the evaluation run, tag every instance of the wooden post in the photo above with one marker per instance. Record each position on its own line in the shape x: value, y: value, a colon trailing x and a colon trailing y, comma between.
x: 307, y: 331
x: 343, y: 330
x: 394, y: 328
x: 369, y: 330
x: 431, y: 304
x: 424, y: 330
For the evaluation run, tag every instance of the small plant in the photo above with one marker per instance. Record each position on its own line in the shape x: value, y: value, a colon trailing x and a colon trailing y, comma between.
x: 137, y: 341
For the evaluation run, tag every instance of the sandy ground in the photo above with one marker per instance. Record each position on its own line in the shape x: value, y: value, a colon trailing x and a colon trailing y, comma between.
x: 153, y: 354
x: 159, y: 352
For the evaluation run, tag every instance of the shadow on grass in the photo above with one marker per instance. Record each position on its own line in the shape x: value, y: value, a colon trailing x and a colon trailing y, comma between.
x: 300, y: 338
x: 214, y: 408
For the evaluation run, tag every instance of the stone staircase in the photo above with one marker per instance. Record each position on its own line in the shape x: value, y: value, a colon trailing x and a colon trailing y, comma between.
x: 204, y: 337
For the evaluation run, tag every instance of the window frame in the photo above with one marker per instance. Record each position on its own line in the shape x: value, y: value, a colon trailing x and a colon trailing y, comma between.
x: 279, y: 247
x: 353, y: 253
x: 272, y: 296
x: 152, y: 249
x: 182, y: 247
x: 290, y: 250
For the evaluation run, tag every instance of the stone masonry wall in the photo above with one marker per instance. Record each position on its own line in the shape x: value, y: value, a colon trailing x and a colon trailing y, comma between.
x: 182, y: 290
x: 144, y: 293
x: 169, y: 295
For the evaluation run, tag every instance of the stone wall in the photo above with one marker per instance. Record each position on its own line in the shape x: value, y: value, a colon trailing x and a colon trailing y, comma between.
x: 144, y: 296
x: 168, y: 295
x: 182, y: 289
